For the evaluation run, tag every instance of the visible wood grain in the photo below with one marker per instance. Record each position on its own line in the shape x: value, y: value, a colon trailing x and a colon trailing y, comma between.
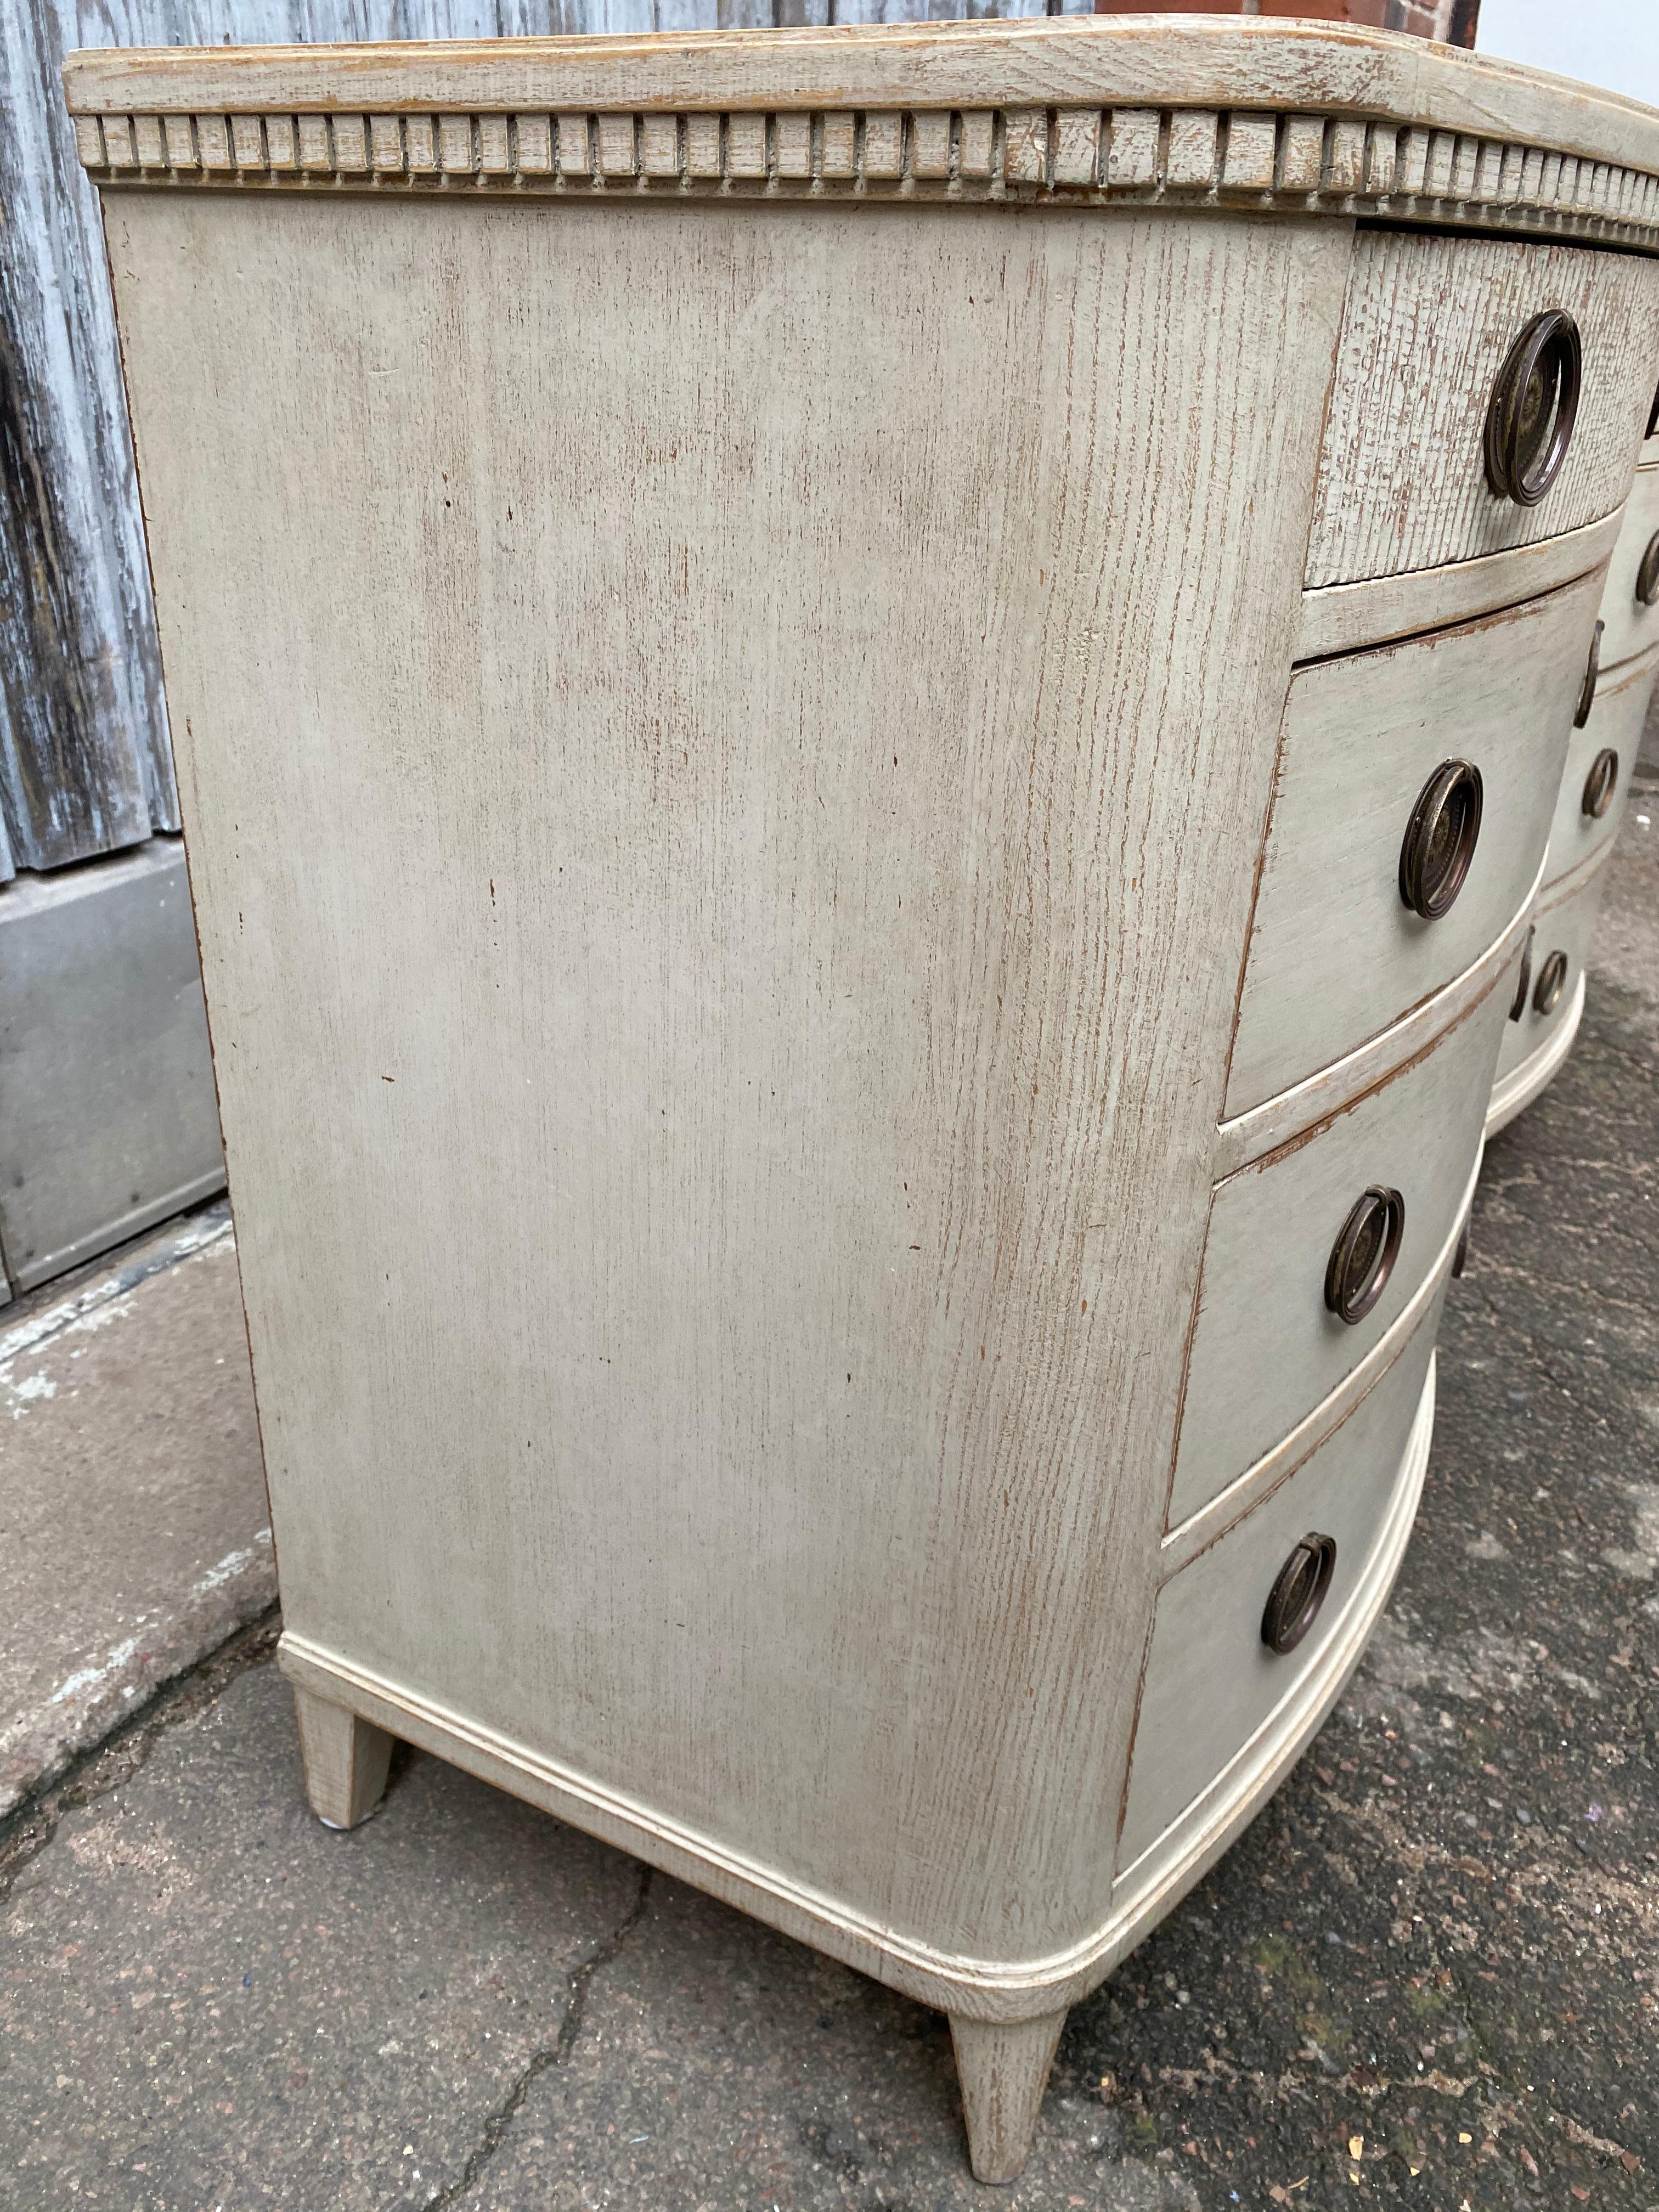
x: 964, y: 1987
x: 1615, y: 721
x: 84, y: 764
x: 1265, y: 1349
x: 1210, y: 1682
x: 1402, y: 480
x: 1632, y: 627
x: 1183, y: 1542
x: 1335, y: 954
x: 741, y: 988
x: 345, y: 1759
x: 1264, y: 1129
x: 1341, y: 618
x: 1152, y: 63
x: 1002, y: 2068
x: 1147, y: 1887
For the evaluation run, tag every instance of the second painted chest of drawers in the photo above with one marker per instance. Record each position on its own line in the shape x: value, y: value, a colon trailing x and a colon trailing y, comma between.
x: 925, y: 673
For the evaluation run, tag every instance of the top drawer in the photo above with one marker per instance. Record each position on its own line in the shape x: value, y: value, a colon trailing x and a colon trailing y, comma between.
x: 1427, y: 323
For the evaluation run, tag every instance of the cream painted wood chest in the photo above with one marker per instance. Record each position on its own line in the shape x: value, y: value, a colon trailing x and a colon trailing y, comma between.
x: 1549, y: 994
x: 928, y: 670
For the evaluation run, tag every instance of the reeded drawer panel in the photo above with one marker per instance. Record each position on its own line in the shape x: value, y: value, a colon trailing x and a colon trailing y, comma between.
x: 1211, y: 1681
x: 1335, y: 954
x: 1562, y: 933
x: 1266, y: 1347
x: 1427, y: 324
x: 1590, y: 781
x: 1632, y: 622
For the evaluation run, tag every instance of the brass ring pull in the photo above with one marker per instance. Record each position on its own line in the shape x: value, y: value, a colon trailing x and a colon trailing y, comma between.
x: 1534, y: 406
x: 1440, y: 838
x: 1524, y: 979
x: 1580, y: 713
x: 1551, y: 982
x: 1647, y: 576
x: 1601, y: 783
x: 1362, y: 1259
x: 1298, y: 1592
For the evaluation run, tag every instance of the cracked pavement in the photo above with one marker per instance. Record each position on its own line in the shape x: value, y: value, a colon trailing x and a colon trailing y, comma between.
x: 1428, y: 1974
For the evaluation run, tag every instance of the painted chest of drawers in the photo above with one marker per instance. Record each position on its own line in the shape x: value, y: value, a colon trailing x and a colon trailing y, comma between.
x: 1613, y: 705
x: 867, y: 722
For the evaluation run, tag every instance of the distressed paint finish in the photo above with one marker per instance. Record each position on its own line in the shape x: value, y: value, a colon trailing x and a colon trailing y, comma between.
x: 1211, y: 1681
x: 1402, y: 484
x: 85, y: 764
x: 1335, y: 956
x: 752, y: 1033
x: 1265, y: 1347
x: 803, y: 948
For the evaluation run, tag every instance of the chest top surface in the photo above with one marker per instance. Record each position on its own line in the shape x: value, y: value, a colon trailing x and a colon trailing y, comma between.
x: 1254, y: 114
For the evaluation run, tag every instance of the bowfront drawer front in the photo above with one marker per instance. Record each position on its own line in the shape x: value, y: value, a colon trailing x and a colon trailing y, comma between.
x: 1629, y: 601
x: 1211, y: 1678
x: 1285, y: 1308
x: 1408, y: 472
x: 1595, y: 780
x: 1548, y: 986
x: 1396, y: 769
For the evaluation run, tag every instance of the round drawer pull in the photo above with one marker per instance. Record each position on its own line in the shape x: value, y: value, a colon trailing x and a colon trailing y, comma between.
x: 1647, y: 576
x: 1362, y: 1259
x: 1534, y: 404
x: 1580, y: 713
x: 1601, y: 783
x: 1551, y: 982
x: 1523, y: 980
x: 1294, y: 1601
x: 1440, y: 838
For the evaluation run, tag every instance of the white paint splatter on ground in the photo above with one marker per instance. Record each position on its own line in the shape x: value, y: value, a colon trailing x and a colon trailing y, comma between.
x: 98, y: 1306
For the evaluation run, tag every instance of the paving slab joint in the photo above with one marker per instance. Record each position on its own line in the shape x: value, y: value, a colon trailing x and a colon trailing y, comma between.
x: 29, y: 1827
x: 547, y: 2057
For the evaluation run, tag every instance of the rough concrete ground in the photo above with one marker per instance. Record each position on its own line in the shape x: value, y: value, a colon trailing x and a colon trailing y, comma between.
x: 1427, y: 1975
x: 133, y: 1530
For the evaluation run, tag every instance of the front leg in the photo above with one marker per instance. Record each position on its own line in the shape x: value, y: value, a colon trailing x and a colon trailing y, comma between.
x: 345, y: 1761
x: 1003, y: 2067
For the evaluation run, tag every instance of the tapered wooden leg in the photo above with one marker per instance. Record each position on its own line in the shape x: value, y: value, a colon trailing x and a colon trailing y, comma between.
x: 1002, y: 2068
x: 345, y: 1761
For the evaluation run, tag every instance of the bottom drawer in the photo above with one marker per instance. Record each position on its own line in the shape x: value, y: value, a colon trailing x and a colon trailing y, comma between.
x: 1562, y: 933
x: 1211, y: 1681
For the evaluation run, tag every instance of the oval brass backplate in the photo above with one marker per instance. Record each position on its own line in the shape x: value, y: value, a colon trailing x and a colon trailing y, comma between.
x: 1440, y: 838
x: 1298, y: 1592
x: 1362, y: 1259
x: 1534, y: 406
x: 1601, y: 783
x: 1580, y: 713
x: 1523, y: 978
x: 1551, y: 982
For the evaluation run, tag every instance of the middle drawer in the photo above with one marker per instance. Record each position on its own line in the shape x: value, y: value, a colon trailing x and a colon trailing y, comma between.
x: 1335, y: 953
x: 1266, y: 1347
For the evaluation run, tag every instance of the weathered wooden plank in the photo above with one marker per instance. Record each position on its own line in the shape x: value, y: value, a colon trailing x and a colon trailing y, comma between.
x: 84, y: 765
